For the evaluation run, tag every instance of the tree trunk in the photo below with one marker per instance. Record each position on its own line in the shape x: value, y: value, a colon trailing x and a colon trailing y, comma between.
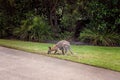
x: 53, y: 17
x: 55, y: 20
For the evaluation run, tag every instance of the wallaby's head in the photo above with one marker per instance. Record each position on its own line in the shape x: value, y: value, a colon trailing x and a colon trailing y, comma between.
x: 53, y: 48
x: 49, y: 50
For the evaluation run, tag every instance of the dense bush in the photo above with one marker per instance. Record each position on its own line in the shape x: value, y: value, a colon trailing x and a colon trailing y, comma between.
x: 60, y: 19
x: 35, y: 29
x: 102, y: 29
x: 2, y: 32
x: 97, y: 37
x: 2, y: 25
x: 65, y: 36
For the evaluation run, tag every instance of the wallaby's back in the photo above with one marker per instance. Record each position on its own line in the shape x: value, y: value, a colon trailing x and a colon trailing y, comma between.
x: 62, y: 44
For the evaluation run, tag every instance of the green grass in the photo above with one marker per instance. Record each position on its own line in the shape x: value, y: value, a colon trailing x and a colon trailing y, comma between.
x: 105, y: 57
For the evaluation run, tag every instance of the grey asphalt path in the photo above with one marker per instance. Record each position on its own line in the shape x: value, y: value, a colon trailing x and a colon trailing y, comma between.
x: 20, y: 65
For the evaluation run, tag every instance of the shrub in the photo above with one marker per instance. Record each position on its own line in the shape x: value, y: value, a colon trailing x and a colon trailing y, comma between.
x: 2, y: 32
x: 96, y: 37
x: 35, y: 29
x: 103, y: 27
x: 66, y: 35
x: 2, y: 26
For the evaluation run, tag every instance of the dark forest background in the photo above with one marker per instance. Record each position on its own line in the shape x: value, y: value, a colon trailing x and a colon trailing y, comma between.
x: 92, y: 21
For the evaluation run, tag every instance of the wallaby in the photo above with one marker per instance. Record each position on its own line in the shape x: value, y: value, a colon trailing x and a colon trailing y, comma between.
x: 62, y: 45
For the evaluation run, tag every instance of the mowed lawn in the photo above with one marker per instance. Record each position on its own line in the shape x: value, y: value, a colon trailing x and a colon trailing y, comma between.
x: 105, y: 57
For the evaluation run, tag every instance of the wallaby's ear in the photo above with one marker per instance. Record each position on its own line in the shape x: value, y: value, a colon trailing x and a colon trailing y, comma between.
x: 49, y: 48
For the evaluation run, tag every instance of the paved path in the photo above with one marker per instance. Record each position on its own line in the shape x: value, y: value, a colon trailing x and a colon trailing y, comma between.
x: 20, y: 65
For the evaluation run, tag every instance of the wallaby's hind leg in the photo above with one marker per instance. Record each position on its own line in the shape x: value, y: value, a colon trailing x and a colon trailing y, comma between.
x: 70, y: 50
x: 66, y: 51
x: 63, y: 51
x: 55, y: 51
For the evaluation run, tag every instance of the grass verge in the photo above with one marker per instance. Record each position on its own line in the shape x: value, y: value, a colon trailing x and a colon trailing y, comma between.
x: 105, y: 57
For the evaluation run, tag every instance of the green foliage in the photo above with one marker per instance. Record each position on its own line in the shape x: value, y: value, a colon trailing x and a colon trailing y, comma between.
x: 68, y: 21
x: 2, y: 29
x: 70, y: 15
x: 102, y: 29
x: 2, y: 32
x: 97, y: 37
x: 35, y: 29
x: 61, y: 15
x: 65, y: 36
x: 103, y: 15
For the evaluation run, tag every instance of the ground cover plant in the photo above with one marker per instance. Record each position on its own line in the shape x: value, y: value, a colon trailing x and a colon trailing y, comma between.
x: 105, y: 57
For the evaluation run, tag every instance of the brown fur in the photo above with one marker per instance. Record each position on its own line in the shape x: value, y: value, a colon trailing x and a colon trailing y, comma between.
x: 54, y: 48
x: 63, y: 45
